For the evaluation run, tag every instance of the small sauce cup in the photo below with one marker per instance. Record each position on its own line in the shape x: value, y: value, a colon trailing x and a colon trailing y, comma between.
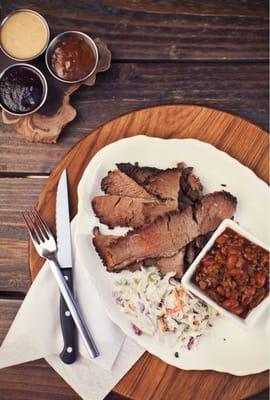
x: 23, y: 89
x: 24, y: 35
x: 72, y: 57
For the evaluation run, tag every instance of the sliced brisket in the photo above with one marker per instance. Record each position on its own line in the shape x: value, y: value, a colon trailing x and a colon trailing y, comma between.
x: 190, y: 187
x: 173, y: 183
x: 102, y: 241
x: 164, y: 184
x: 194, y: 248
x: 170, y: 233
x: 164, y: 264
x: 118, y: 183
x: 129, y: 211
x: 168, y: 264
x: 139, y: 174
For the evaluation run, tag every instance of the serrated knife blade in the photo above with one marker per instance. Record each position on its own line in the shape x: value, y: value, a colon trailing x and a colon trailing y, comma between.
x: 64, y: 253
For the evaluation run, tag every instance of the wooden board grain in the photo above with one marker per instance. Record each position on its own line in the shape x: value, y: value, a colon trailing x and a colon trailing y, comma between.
x: 126, y: 87
x: 16, y: 194
x: 150, y: 377
x: 158, y: 29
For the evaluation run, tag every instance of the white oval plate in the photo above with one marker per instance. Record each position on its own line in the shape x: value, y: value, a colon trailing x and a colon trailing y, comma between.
x: 227, y: 348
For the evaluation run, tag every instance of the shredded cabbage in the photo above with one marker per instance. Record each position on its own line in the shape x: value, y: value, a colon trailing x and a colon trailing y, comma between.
x: 161, y: 306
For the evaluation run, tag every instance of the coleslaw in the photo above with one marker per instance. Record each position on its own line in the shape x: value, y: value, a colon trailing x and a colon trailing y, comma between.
x: 161, y: 306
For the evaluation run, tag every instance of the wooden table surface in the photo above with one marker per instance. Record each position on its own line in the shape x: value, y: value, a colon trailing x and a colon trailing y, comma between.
x: 212, y: 52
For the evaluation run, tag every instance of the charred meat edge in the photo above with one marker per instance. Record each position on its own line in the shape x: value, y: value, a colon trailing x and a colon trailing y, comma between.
x: 119, y: 183
x: 226, y: 196
x: 125, y: 211
x: 190, y: 187
x: 162, y: 263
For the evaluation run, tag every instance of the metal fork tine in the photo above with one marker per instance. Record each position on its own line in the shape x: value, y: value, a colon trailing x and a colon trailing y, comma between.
x: 31, y: 220
x: 42, y: 224
x: 30, y: 227
x: 47, y: 248
x: 36, y: 226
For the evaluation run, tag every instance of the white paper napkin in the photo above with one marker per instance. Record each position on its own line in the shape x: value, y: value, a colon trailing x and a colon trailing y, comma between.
x: 36, y: 333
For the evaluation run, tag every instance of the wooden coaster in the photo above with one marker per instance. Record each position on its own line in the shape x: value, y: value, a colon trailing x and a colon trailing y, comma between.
x: 47, y: 123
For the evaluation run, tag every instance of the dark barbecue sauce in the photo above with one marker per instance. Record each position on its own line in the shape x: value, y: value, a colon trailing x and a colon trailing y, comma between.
x: 21, y: 90
x: 72, y: 58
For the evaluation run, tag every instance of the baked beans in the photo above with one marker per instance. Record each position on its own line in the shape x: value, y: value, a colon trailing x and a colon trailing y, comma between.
x: 234, y: 273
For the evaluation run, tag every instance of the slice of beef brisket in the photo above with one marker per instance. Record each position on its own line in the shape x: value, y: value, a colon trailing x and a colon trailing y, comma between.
x: 118, y: 183
x: 163, y: 264
x: 168, y: 234
x: 190, y: 187
x: 139, y: 174
x: 174, y: 263
x: 102, y: 241
x: 129, y: 211
x: 170, y: 183
x: 194, y: 248
x: 132, y: 205
x: 164, y: 184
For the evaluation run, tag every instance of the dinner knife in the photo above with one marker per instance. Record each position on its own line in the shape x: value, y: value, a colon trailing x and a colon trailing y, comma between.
x: 64, y: 255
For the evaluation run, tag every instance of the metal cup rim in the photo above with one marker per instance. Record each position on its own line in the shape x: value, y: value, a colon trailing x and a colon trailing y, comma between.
x: 44, y: 83
x: 93, y: 46
x: 45, y: 24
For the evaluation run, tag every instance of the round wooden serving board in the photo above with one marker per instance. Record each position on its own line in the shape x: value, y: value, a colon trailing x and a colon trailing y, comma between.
x: 151, y: 378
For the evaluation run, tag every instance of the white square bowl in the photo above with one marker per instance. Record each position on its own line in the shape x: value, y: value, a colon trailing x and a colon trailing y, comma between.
x: 253, y: 316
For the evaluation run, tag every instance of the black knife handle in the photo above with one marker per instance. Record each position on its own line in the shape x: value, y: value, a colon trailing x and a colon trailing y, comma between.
x: 69, y: 352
